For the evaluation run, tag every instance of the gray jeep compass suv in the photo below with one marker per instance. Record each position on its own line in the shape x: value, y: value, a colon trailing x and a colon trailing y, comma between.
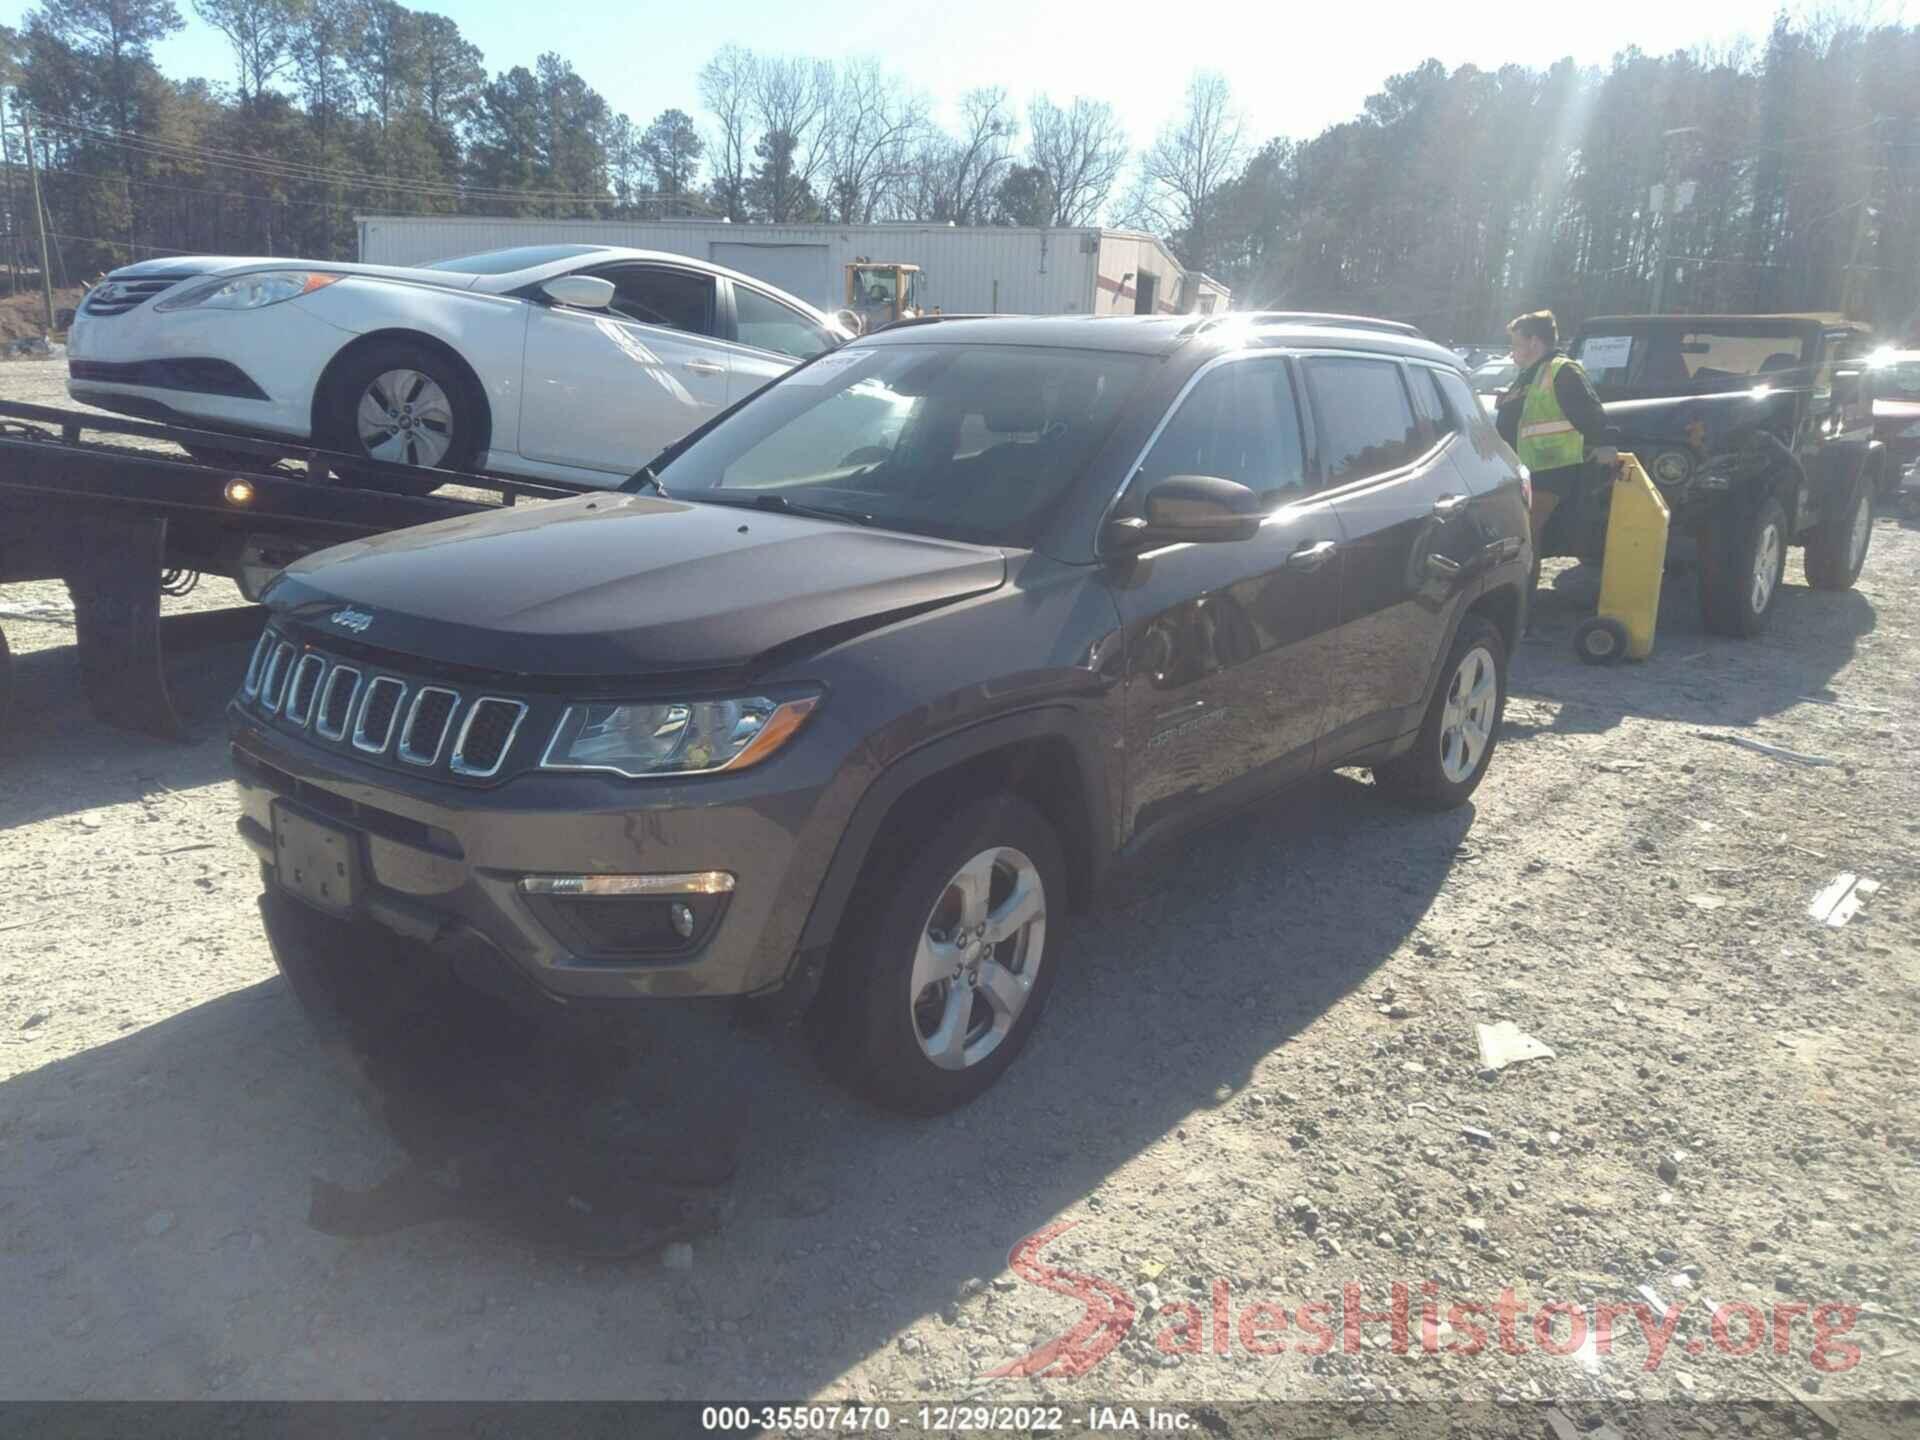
x: 858, y: 693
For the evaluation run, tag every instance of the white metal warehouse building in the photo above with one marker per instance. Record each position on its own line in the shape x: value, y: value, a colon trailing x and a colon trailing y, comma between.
x: 979, y: 269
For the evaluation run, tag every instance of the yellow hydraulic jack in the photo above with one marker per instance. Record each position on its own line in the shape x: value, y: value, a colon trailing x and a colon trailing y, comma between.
x: 1630, y: 573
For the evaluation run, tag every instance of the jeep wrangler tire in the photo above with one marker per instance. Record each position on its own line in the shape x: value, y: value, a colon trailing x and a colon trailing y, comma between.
x: 1837, y: 550
x: 1742, y: 560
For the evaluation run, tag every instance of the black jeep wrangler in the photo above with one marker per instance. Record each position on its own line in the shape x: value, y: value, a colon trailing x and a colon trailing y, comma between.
x: 1758, y: 429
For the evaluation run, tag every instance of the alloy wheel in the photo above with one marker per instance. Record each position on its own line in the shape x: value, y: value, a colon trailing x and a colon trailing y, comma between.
x: 978, y: 957
x: 405, y: 418
x: 1767, y: 559
x: 1466, y: 725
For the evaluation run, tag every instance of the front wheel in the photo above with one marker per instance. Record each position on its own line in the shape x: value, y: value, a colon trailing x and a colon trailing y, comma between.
x: 939, y: 991
x: 1838, y: 549
x: 1742, y: 560
x: 404, y: 404
x: 1450, y: 756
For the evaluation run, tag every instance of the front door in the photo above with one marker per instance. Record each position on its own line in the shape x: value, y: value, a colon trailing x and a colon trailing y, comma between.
x: 1227, y: 645
x: 609, y: 389
x: 1411, y: 538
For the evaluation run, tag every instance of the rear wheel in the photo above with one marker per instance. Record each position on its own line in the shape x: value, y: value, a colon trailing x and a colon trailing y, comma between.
x: 404, y: 404
x: 1457, y: 739
x: 1838, y: 549
x: 1742, y: 560
x: 938, y: 992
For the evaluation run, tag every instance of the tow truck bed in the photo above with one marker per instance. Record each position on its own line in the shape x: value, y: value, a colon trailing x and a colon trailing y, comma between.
x: 79, y: 503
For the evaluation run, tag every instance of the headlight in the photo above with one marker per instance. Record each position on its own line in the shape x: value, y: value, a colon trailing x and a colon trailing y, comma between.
x: 695, y: 737
x: 249, y: 292
x: 1672, y: 467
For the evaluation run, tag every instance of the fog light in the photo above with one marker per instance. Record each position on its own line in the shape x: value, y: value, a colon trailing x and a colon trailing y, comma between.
x: 239, y: 492
x: 700, y: 882
x: 682, y: 920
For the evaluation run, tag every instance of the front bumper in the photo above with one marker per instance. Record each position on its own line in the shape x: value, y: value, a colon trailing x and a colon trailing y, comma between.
x: 279, y: 353
x: 442, y: 864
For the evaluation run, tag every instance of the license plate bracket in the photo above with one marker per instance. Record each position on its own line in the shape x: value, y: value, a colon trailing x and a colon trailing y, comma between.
x: 316, y: 862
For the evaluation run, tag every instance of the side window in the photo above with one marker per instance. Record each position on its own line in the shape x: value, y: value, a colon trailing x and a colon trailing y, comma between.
x: 1365, y: 424
x: 673, y: 299
x: 766, y: 324
x: 1435, y: 422
x: 1239, y: 423
x: 1464, y: 409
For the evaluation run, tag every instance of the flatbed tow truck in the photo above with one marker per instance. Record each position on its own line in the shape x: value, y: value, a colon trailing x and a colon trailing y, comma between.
x: 122, y: 525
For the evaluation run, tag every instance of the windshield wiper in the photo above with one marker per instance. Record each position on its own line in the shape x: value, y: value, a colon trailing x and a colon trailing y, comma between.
x: 785, y: 506
x: 643, y: 479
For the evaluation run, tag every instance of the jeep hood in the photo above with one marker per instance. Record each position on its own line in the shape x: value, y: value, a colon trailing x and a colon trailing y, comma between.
x: 1708, y: 424
x: 617, y: 585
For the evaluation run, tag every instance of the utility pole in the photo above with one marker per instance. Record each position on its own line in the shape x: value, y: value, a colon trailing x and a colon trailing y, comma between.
x: 1666, y: 197
x: 40, y: 219
x: 13, y: 209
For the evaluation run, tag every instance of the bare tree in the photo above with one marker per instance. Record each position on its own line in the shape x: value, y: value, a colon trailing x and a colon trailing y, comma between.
x: 791, y: 97
x: 261, y: 33
x: 1191, y: 161
x: 976, y: 159
x: 1081, y: 151
x: 728, y: 84
x: 870, y: 133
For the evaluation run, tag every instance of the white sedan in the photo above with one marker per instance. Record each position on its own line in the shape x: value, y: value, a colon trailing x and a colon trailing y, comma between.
x: 560, y: 362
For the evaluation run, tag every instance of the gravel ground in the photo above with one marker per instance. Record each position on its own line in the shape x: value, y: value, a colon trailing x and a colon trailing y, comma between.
x: 1261, y: 1072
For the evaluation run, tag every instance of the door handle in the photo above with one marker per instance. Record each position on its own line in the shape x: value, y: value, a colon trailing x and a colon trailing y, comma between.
x: 1448, y: 506
x: 706, y: 367
x: 1312, y: 557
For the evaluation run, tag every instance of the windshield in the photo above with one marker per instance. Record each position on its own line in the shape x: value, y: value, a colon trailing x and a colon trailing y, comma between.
x: 1671, y: 359
x: 1898, y: 381
x: 505, y: 262
x: 967, y: 442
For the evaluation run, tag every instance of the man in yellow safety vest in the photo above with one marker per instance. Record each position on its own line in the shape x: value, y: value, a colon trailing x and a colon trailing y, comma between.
x: 1551, y: 417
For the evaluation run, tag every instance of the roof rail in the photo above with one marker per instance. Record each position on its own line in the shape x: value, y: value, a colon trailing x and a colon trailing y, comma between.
x: 1306, y: 317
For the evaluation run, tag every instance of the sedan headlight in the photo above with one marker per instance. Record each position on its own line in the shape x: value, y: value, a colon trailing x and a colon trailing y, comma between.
x: 249, y: 292
x: 693, y: 737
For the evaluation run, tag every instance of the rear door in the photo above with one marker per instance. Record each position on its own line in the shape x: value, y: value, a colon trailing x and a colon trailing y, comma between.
x: 608, y: 389
x: 1227, y: 644
x: 1410, y: 546
x: 770, y: 337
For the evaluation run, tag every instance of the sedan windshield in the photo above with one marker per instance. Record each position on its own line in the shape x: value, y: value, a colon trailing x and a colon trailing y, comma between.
x: 505, y: 262
x: 967, y: 442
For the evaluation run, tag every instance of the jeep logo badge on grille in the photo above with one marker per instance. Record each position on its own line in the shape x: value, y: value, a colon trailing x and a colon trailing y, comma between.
x: 351, y: 619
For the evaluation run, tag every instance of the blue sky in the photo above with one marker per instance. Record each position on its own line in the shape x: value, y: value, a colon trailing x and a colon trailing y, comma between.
x: 1294, y: 66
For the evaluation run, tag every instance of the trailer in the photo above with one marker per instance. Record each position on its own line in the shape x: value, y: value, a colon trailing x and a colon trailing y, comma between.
x: 123, y: 526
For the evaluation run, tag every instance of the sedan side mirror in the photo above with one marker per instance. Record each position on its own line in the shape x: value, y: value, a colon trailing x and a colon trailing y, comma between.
x: 582, y: 292
x: 1190, y: 509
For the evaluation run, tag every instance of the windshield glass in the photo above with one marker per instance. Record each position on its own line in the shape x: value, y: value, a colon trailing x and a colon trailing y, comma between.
x: 968, y: 442
x: 1898, y: 381
x: 505, y: 262
x: 1672, y: 359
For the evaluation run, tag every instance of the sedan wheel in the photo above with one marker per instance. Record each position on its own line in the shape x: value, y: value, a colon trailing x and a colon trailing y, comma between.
x: 978, y: 958
x: 404, y: 417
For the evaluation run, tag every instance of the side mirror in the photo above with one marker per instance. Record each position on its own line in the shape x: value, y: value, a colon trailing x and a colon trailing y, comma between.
x: 848, y: 321
x: 583, y: 292
x: 1190, y: 509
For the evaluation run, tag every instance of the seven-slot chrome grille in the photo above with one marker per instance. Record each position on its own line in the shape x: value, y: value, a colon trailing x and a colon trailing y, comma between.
x: 361, y: 708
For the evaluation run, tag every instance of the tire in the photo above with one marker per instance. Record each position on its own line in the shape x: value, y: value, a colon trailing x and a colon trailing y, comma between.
x: 1444, y: 768
x: 1600, y: 640
x: 1733, y: 599
x: 1837, y: 550
x: 451, y: 415
x: 880, y: 1028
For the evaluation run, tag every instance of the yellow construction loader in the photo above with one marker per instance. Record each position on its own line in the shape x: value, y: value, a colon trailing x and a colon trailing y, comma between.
x: 880, y: 292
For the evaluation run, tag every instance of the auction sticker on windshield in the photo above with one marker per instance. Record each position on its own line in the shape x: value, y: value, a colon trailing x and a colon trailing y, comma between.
x: 1606, y: 352
x: 829, y: 369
